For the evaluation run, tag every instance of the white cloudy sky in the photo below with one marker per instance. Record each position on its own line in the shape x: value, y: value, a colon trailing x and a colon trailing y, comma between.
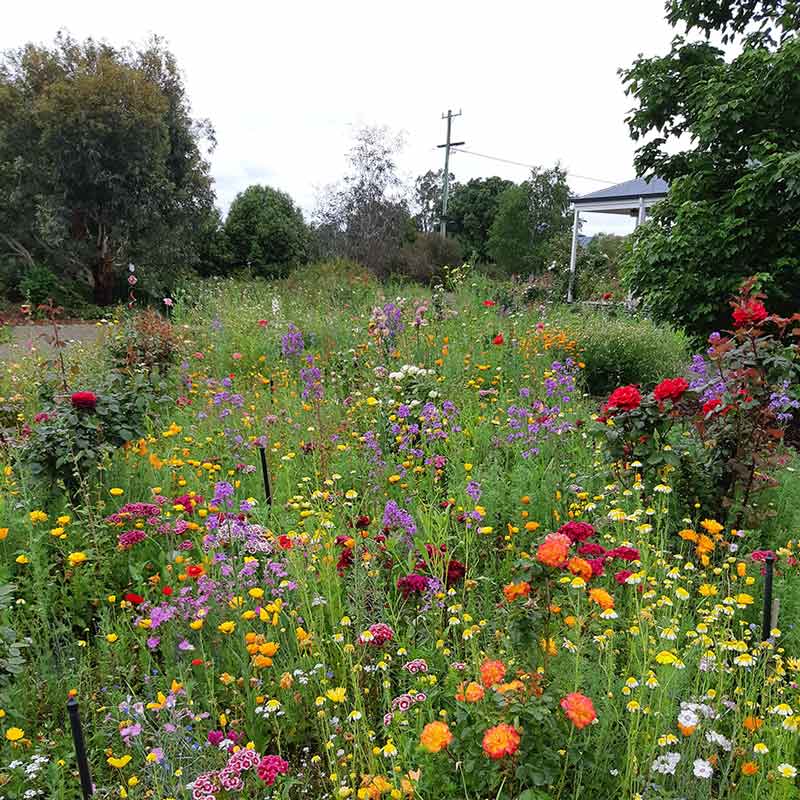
x: 285, y: 83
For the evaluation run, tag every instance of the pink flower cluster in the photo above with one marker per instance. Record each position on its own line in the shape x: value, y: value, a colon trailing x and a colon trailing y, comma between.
x: 230, y: 777
x: 270, y: 767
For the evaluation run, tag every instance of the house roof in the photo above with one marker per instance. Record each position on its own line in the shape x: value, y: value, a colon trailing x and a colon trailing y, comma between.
x: 628, y: 190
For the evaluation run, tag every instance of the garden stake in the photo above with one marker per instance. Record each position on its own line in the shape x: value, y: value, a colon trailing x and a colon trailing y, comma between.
x: 766, y: 625
x: 80, y: 749
x: 265, y: 472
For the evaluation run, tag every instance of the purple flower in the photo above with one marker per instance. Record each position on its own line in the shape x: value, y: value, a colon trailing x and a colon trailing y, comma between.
x: 292, y: 343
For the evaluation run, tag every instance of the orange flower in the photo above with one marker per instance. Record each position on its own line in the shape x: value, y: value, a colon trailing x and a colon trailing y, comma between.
x: 492, y: 672
x: 752, y: 724
x: 515, y: 686
x: 579, y: 708
x: 501, y: 740
x: 581, y: 567
x: 686, y: 730
x: 473, y: 693
x: 749, y: 768
x: 435, y: 736
x: 553, y: 550
x: 602, y: 598
x: 688, y: 535
x: 514, y: 590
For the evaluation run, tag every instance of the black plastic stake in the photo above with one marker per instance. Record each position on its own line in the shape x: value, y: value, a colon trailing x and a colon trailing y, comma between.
x: 80, y: 748
x: 265, y: 472
x: 766, y: 625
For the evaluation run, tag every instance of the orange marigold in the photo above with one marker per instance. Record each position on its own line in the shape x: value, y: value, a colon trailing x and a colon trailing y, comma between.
x: 602, y: 598
x: 514, y: 590
x: 752, y: 723
x: 749, y: 768
x: 553, y: 551
x: 501, y: 740
x: 580, y: 567
x: 580, y: 709
x: 492, y: 672
x: 472, y: 693
x: 435, y: 736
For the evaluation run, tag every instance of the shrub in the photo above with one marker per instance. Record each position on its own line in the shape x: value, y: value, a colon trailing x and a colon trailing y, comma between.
x: 621, y: 350
x: 148, y: 341
x: 423, y: 259
x: 38, y: 283
x: 72, y: 435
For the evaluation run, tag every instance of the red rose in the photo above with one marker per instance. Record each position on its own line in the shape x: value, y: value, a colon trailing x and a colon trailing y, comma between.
x: 498, y: 339
x: 85, y: 400
x: 751, y: 312
x: 489, y: 303
x: 624, y: 398
x: 670, y: 389
x: 711, y: 404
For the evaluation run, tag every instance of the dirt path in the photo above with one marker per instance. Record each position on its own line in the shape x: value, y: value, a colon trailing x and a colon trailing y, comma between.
x: 36, y: 338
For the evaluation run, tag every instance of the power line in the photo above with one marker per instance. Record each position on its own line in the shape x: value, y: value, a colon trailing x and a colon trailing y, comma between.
x: 529, y: 166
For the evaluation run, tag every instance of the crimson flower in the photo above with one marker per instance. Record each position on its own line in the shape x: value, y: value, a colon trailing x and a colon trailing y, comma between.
x: 489, y: 303
x: 498, y: 339
x: 134, y: 598
x: 624, y: 398
x: 670, y: 389
x: 749, y: 313
x: 84, y: 400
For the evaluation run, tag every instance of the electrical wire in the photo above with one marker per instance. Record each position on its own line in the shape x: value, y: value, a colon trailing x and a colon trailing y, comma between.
x: 529, y: 166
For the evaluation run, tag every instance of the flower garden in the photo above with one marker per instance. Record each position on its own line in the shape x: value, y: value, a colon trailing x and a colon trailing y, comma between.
x: 319, y: 539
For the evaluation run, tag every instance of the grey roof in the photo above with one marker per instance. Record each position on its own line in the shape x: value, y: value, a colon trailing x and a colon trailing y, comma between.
x: 628, y: 190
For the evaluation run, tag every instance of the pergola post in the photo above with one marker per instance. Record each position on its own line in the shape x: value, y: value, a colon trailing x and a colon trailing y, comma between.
x: 573, y: 255
x: 642, y: 212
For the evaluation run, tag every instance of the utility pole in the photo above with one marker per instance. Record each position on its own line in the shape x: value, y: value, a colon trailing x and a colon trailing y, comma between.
x: 446, y: 179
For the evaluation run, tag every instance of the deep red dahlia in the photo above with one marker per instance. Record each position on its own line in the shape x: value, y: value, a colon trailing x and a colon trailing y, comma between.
x: 670, y: 389
x: 84, y: 400
x: 577, y: 531
x: 624, y: 398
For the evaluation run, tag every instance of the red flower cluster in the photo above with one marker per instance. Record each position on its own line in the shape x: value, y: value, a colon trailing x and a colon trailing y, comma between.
x: 270, y: 767
x: 750, y: 312
x: 577, y: 531
x: 84, y: 400
x: 624, y: 398
x: 670, y: 389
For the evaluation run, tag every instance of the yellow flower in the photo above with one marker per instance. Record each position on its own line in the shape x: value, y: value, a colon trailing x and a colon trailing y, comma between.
x: 64, y: 519
x: 707, y: 589
x: 111, y: 637
x: 665, y: 657
x: 120, y: 762
x: 22, y: 559
x: 14, y: 734
x: 3, y: 533
x: 227, y: 627
x: 711, y: 526
x: 116, y: 491
x: 336, y: 695
x: 37, y: 516
x: 394, y: 478
x: 76, y: 558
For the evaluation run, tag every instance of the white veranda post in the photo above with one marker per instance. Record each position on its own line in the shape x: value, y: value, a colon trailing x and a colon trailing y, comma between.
x: 573, y: 255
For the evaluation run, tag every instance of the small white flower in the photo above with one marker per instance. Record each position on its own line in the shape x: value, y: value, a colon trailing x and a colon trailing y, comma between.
x: 702, y: 768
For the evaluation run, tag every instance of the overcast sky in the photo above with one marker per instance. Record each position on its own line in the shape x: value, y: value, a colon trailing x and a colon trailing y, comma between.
x: 286, y: 83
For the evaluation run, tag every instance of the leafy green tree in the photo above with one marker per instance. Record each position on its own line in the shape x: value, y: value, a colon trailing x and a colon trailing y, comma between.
x: 266, y: 231
x: 733, y: 207
x: 428, y: 199
x: 471, y: 211
x: 101, y: 162
x: 529, y: 218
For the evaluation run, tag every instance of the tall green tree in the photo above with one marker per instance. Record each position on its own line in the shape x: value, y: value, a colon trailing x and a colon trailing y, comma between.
x: 428, y: 199
x: 528, y: 219
x: 471, y: 211
x: 733, y: 207
x: 101, y: 162
x: 265, y: 231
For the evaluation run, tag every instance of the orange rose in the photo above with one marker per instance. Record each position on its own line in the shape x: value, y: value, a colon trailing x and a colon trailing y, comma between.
x: 501, y: 740
x: 435, y: 736
x: 579, y: 709
x: 553, y: 551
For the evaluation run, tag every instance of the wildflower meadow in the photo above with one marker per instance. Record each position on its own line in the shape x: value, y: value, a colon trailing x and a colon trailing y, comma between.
x: 326, y: 538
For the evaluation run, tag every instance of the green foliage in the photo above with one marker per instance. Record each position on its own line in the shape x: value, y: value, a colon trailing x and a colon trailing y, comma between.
x: 471, y: 211
x: 428, y: 200
x: 734, y: 200
x: 620, y: 350
x: 38, y: 284
x: 11, y: 659
x: 100, y: 160
x: 68, y: 444
x: 266, y: 232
